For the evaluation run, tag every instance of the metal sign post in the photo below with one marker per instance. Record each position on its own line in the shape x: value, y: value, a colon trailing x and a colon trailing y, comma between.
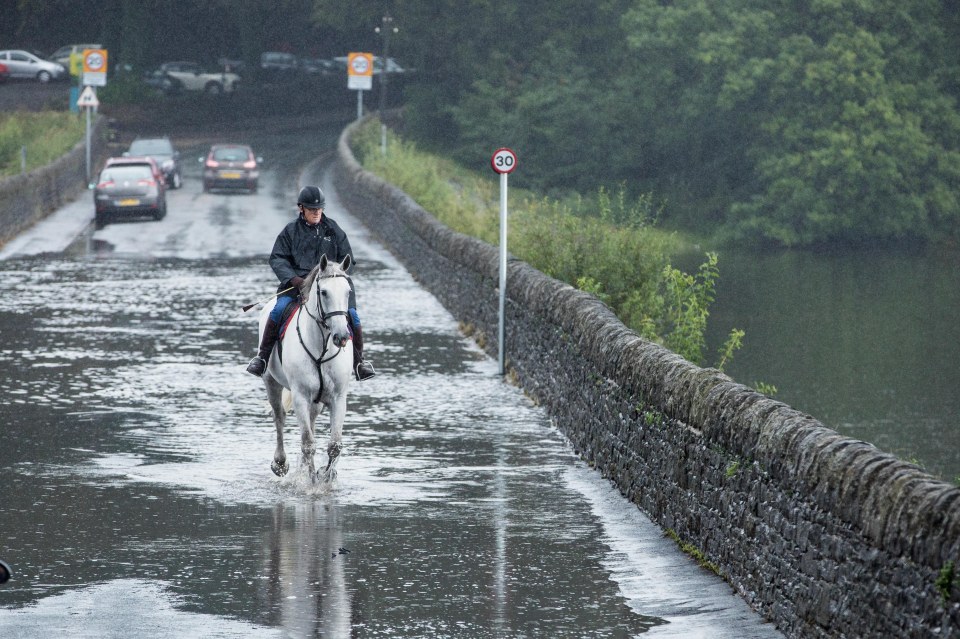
x: 88, y: 101
x: 504, y: 161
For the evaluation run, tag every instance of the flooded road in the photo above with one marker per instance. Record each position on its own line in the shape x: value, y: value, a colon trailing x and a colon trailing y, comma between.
x: 137, y: 498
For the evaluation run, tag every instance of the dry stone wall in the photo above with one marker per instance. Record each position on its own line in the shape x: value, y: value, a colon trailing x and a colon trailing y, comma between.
x: 824, y: 535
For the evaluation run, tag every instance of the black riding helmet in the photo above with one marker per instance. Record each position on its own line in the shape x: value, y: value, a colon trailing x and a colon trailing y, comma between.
x: 311, y: 197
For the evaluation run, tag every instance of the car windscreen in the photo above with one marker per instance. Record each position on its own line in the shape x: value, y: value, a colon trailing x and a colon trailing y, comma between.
x: 231, y: 154
x: 126, y: 173
x: 151, y: 147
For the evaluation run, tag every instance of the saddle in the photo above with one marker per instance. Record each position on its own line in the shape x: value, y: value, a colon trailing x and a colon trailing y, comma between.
x: 285, y: 319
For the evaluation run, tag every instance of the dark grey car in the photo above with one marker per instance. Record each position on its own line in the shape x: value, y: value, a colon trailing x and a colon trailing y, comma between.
x: 165, y: 154
x: 124, y: 191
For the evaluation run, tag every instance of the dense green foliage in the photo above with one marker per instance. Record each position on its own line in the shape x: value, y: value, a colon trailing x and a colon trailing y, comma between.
x: 604, y: 245
x: 790, y: 123
x: 45, y: 137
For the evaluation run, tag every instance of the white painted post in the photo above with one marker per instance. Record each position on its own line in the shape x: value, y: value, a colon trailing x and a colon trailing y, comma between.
x: 504, y: 161
x: 88, y: 109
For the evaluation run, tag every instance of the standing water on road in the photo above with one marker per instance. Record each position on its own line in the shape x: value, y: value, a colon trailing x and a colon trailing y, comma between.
x: 138, y: 499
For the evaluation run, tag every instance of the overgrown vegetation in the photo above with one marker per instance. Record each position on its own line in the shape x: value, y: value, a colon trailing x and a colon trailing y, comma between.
x: 694, y: 552
x: 606, y: 244
x: 945, y: 581
x: 40, y: 137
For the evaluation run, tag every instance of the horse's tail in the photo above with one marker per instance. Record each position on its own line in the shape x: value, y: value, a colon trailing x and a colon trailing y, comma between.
x: 286, y: 400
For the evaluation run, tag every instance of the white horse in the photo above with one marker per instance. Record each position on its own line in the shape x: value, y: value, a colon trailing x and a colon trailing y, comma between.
x: 314, y: 362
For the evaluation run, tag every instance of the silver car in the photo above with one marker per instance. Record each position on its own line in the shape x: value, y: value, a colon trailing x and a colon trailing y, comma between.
x: 23, y: 64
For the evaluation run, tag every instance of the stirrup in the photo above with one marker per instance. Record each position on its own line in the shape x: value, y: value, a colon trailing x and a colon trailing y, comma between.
x: 364, y: 371
x: 257, y: 366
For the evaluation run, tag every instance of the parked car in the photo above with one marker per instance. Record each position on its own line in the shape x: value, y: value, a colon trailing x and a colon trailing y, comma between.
x: 392, y: 66
x: 62, y: 55
x: 25, y: 65
x: 4, y: 72
x: 174, y: 77
x: 231, y: 166
x: 319, y: 66
x: 164, y: 154
x: 128, y: 188
x: 232, y: 65
x: 278, y: 61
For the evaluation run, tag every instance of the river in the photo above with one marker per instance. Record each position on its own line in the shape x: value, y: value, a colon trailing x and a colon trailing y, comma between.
x: 867, y: 342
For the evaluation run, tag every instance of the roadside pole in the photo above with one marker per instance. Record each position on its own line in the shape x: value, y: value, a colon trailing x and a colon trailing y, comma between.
x: 360, y: 76
x: 88, y: 102
x: 94, y: 75
x: 504, y: 161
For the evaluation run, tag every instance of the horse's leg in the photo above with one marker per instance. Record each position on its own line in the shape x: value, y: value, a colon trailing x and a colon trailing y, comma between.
x: 306, y: 411
x: 279, y: 466
x: 338, y: 413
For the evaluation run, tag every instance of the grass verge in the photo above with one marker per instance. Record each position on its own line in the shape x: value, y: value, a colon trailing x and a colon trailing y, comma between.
x: 39, y: 138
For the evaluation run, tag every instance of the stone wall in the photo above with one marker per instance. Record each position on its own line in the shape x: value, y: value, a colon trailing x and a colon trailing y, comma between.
x: 823, y: 535
x: 27, y: 198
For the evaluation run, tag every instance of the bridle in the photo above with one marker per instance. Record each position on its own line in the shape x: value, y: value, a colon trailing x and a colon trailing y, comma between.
x: 321, y: 320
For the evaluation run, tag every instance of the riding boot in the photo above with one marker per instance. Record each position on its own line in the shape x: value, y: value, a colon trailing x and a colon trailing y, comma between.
x: 258, y: 365
x: 363, y: 370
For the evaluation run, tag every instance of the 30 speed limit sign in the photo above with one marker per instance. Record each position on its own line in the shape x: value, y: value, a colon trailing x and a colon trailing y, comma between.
x: 503, y: 161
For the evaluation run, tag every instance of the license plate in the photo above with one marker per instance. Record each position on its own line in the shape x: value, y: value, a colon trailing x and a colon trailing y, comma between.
x: 130, y: 201
x: 231, y: 175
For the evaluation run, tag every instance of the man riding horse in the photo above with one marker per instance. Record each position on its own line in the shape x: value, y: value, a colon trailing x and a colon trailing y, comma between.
x: 296, y: 251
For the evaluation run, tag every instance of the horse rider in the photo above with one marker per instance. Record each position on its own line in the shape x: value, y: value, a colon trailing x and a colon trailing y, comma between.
x: 296, y: 251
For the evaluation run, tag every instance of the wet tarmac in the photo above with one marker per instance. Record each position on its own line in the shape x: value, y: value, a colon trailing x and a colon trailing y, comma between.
x: 137, y: 498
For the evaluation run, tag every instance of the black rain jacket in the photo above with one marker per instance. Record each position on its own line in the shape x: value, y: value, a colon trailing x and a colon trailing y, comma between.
x: 299, y: 247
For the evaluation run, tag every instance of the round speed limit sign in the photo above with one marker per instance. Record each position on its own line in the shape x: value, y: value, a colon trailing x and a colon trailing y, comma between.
x: 503, y: 161
x: 94, y: 61
x: 360, y: 65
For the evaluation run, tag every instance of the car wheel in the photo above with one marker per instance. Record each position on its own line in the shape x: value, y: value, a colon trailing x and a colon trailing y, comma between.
x: 213, y: 88
x: 44, y: 77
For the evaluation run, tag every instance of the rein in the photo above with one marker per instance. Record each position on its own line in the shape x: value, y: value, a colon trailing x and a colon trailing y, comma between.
x: 321, y: 322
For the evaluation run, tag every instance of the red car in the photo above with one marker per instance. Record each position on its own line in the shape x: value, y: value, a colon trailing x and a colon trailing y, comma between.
x: 4, y: 72
x: 231, y: 166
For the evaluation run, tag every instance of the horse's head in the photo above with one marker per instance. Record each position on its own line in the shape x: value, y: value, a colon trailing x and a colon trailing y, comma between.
x: 328, y: 291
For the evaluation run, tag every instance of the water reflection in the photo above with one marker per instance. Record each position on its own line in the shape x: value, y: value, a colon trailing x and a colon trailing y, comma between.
x: 304, y: 572
x: 866, y: 341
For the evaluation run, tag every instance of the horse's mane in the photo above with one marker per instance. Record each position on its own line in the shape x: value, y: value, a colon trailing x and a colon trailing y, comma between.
x: 333, y: 268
